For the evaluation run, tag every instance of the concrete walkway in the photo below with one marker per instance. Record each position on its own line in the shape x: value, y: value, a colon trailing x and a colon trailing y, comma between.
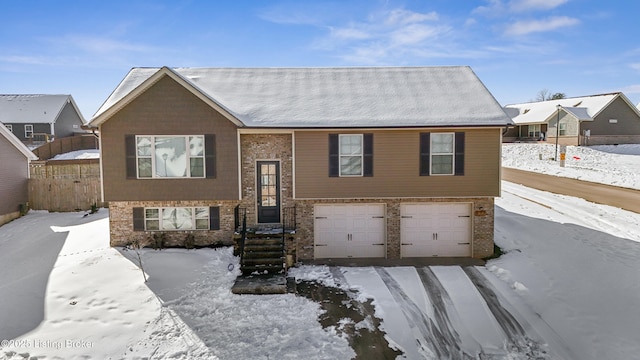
x: 628, y: 199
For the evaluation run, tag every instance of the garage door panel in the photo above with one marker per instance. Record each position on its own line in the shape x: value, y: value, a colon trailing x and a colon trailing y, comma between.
x: 440, y: 229
x: 354, y: 230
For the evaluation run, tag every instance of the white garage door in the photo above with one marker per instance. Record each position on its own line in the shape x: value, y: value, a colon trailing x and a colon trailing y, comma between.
x: 435, y: 230
x: 351, y: 230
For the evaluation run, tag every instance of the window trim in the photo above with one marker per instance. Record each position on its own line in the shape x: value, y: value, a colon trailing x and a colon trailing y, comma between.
x: 424, y: 149
x: 340, y: 155
x: 537, y: 130
x: 194, y: 218
x: 26, y: 132
x: 452, y: 154
x: 189, y: 157
x: 562, y: 129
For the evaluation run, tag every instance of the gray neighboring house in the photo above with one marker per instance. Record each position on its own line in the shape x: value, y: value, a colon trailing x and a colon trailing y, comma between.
x: 14, y: 162
x: 35, y: 119
x: 603, y: 119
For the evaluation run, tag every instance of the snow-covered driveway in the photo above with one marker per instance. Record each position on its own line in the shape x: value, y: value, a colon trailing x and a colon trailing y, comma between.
x: 447, y: 312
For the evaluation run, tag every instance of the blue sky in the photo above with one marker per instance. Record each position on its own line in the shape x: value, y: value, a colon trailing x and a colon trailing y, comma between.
x: 516, y: 47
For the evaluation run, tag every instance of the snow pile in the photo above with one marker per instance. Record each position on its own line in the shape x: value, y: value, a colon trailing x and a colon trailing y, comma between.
x: 78, y: 154
x: 617, y: 165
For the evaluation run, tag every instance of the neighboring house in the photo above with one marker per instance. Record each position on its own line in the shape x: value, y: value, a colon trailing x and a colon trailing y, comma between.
x: 377, y: 162
x: 14, y: 175
x: 35, y: 119
x: 588, y: 120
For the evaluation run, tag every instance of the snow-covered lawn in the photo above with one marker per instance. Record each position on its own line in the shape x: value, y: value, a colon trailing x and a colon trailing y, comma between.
x: 617, y: 165
x: 567, y: 288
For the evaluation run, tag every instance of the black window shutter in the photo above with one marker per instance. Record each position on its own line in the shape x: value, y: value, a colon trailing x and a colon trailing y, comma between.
x: 130, y: 152
x: 367, y: 166
x: 459, y: 154
x: 210, y: 155
x: 138, y: 219
x: 214, y: 218
x: 334, y: 156
x: 425, y: 143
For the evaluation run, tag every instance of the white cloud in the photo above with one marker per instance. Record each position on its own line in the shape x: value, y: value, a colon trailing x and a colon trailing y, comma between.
x: 401, y: 16
x: 350, y: 33
x: 99, y: 44
x: 495, y: 8
x: 525, y: 5
x: 412, y: 34
x: 532, y: 26
x: 635, y: 66
x: 25, y: 60
x: 631, y: 89
x: 382, y: 36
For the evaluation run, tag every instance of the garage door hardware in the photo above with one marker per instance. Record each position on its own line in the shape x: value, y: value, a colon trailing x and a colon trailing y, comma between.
x: 321, y: 217
x: 464, y: 216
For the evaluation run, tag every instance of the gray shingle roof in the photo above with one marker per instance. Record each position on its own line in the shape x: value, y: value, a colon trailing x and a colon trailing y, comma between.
x: 338, y: 97
x: 34, y: 109
x: 583, y: 108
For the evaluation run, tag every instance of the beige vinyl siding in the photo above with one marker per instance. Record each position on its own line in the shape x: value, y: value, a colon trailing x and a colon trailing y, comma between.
x: 14, y: 175
x: 167, y: 108
x: 396, y: 167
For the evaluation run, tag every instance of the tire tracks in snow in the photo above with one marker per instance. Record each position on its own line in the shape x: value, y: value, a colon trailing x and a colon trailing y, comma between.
x: 519, y: 340
x: 435, y: 331
x: 439, y: 336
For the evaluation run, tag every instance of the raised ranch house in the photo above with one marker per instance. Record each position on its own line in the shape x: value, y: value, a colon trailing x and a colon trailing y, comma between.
x: 36, y: 119
x: 14, y: 175
x: 604, y: 119
x: 370, y: 162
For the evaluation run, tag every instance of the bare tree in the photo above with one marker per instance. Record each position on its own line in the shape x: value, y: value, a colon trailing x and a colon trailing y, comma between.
x: 545, y: 94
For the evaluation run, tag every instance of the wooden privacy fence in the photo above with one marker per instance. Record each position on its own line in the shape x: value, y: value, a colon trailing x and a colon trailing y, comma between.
x: 65, y: 185
x: 65, y: 145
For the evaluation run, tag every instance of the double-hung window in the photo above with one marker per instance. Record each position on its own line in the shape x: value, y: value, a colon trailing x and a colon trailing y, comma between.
x: 563, y: 129
x: 442, y: 153
x: 442, y: 159
x: 170, y: 156
x: 28, y: 131
x: 350, y: 155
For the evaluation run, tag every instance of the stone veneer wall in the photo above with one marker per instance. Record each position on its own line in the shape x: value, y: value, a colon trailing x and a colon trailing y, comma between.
x: 256, y: 147
x: 121, y: 224
x: 482, y: 214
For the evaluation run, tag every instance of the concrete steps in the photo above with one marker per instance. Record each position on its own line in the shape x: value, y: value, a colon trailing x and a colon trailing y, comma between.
x: 263, y: 253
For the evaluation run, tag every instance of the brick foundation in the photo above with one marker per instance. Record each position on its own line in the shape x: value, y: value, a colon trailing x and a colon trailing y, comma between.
x: 122, y: 233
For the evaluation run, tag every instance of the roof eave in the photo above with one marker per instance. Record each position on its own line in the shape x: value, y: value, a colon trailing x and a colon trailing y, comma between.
x: 145, y: 85
x: 17, y: 143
